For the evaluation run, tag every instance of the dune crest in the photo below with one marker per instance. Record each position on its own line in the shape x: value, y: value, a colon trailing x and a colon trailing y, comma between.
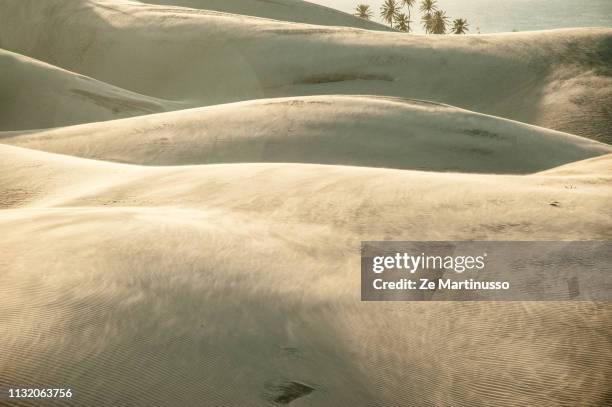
x: 38, y: 95
x: 285, y: 10
x: 364, y: 200
x: 341, y: 130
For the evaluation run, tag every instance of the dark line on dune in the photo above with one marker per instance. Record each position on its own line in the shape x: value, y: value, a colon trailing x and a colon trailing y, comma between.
x: 118, y: 104
x: 342, y: 77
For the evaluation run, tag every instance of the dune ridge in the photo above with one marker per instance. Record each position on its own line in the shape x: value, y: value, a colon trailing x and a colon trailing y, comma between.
x: 258, y: 188
x: 284, y: 10
x: 341, y: 130
x: 183, y: 193
x: 556, y: 79
x: 38, y: 95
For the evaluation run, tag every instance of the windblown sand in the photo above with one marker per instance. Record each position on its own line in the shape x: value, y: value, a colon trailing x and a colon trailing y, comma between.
x: 183, y: 194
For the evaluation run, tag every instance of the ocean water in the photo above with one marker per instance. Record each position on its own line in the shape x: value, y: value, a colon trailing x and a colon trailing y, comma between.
x: 490, y: 16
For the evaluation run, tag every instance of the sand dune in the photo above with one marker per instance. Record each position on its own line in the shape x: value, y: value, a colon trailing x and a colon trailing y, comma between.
x: 363, y: 131
x: 476, y: 200
x: 557, y: 79
x: 593, y: 166
x: 285, y: 10
x: 210, y: 256
x: 171, y: 310
x: 38, y: 95
x: 185, y: 320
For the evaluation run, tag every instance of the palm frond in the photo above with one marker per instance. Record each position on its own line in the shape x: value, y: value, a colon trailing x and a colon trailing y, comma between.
x: 428, y: 6
x: 363, y: 11
x: 439, y: 22
x: 460, y: 26
x: 388, y: 11
x: 402, y: 22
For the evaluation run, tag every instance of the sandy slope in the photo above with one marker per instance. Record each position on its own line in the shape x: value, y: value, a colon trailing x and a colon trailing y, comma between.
x: 147, y: 279
x: 312, y: 193
x: 285, y: 10
x: 34, y: 95
x: 593, y: 166
x: 364, y: 131
x: 163, y: 306
x: 558, y: 79
x: 171, y: 284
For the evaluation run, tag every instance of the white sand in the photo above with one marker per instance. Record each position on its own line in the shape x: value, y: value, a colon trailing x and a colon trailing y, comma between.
x: 221, y: 280
x: 557, y: 79
x: 341, y: 130
x: 285, y: 10
x: 217, y: 258
x: 38, y: 95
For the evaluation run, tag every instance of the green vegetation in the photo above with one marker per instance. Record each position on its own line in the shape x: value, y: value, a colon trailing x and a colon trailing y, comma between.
x: 428, y: 8
x: 439, y: 22
x: 402, y: 22
x: 408, y: 4
x: 389, y: 11
x: 460, y: 26
x: 433, y: 19
x: 363, y: 11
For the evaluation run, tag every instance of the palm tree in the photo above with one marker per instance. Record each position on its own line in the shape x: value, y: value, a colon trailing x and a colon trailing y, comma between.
x: 426, y: 23
x: 428, y: 8
x: 460, y: 26
x: 388, y: 11
x: 363, y: 11
x: 409, y: 4
x: 402, y: 22
x: 439, y: 22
